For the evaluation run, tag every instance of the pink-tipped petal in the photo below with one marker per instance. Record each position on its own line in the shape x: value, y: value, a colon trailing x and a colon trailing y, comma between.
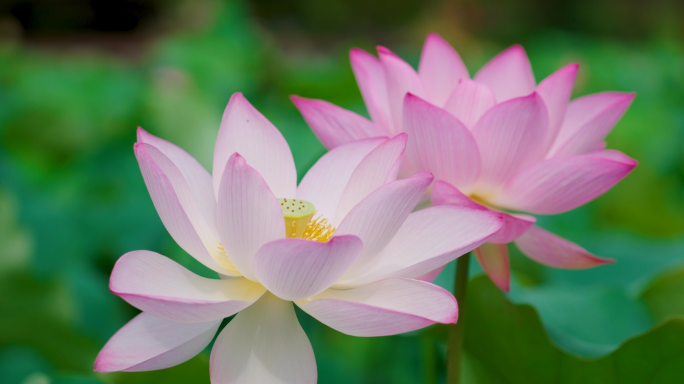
x: 546, y: 248
x: 588, y: 120
x: 563, y: 183
x: 148, y: 343
x: 197, y: 179
x: 263, y: 344
x: 514, y: 225
x: 401, y: 79
x: 440, y: 143
x: 324, y: 183
x: 383, y: 308
x: 508, y: 74
x: 431, y: 276
x: 246, y: 131
x: 370, y: 76
x: 176, y: 208
x: 163, y: 288
x: 295, y: 269
x: 555, y: 90
x: 444, y: 193
x: 440, y: 69
x: 378, y: 217
x: 493, y: 259
x: 379, y: 167
x: 248, y: 216
x: 510, y: 136
x: 469, y: 101
x: 334, y: 125
x: 427, y: 240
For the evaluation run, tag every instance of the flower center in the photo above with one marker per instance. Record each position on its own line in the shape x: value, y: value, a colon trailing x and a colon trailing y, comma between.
x: 300, y: 222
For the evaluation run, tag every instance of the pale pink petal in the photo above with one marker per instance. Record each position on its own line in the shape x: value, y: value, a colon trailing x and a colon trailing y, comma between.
x: 546, y: 248
x: 444, y: 193
x: 163, y: 288
x: 555, y: 90
x: 588, y: 120
x: 383, y: 308
x: 514, y: 226
x: 149, y: 343
x: 248, y: 216
x: 334, y: 125
x: 493, y: 259
x: 510, y: 136
x: 263, y: 344
x: 324, y: 183
x: 469, y: 101
x: 370, y: 77
x: 508, y: 74
x: 440, y: 143
x: 427, y: 240
x: 197, y: 179
x: 401, y: 79
x: 170, y: 207
x: 246, y: 131
x: 379, y: 167
x: 378, y: 217
x: 294, y: 269
x: 563, y: 183
x: 431, y: 276
x: 440, y: 69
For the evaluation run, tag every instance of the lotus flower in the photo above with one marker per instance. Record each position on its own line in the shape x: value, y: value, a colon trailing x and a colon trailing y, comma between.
x: 499, y: 142
x: 344, y: 246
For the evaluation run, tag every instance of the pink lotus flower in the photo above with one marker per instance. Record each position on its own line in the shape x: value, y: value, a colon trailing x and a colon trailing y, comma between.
x: 351, y: 262
x: 497, y: 142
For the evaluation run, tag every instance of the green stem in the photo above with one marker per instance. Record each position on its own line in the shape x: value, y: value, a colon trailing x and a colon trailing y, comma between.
x: 456, y: 332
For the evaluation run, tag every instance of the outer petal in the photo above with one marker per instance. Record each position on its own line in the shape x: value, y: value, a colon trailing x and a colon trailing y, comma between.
x: 469, y: 101
x: 555, y: 90
x: 249, y: 216
x: 440, y: 143
x: 561, y: 184
x: 514, y: 225
x: 378, y: 217
x: 510, y: 136
x: 588, y: 120
x: 383, y: 308
x: 165, y: 289
x: 294, y: 269
x: 197, y: 179
x: 431, y: 276
x: 429, y: 239
x: 493, y: 259
x: 548, y: 249
x: 440, y: 69
x: 334, y: 125
x: 171, y: 206
x: 148, y: 343
x: 380, y: 166
x: 246, y: 131
x: 444, y: 193
x: 509, y: 74
x: 324, y: 183
x: 371, y: 79
x: 401, y: 79
x: 263, y: 344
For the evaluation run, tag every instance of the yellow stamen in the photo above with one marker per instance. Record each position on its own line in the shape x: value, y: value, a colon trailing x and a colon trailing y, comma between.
x: 300, y: 221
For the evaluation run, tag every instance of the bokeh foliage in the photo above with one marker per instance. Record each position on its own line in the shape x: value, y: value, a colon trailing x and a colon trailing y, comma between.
x: 72, y: 200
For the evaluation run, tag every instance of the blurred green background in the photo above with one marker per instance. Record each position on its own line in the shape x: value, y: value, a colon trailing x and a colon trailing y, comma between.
x: 77, y: 77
